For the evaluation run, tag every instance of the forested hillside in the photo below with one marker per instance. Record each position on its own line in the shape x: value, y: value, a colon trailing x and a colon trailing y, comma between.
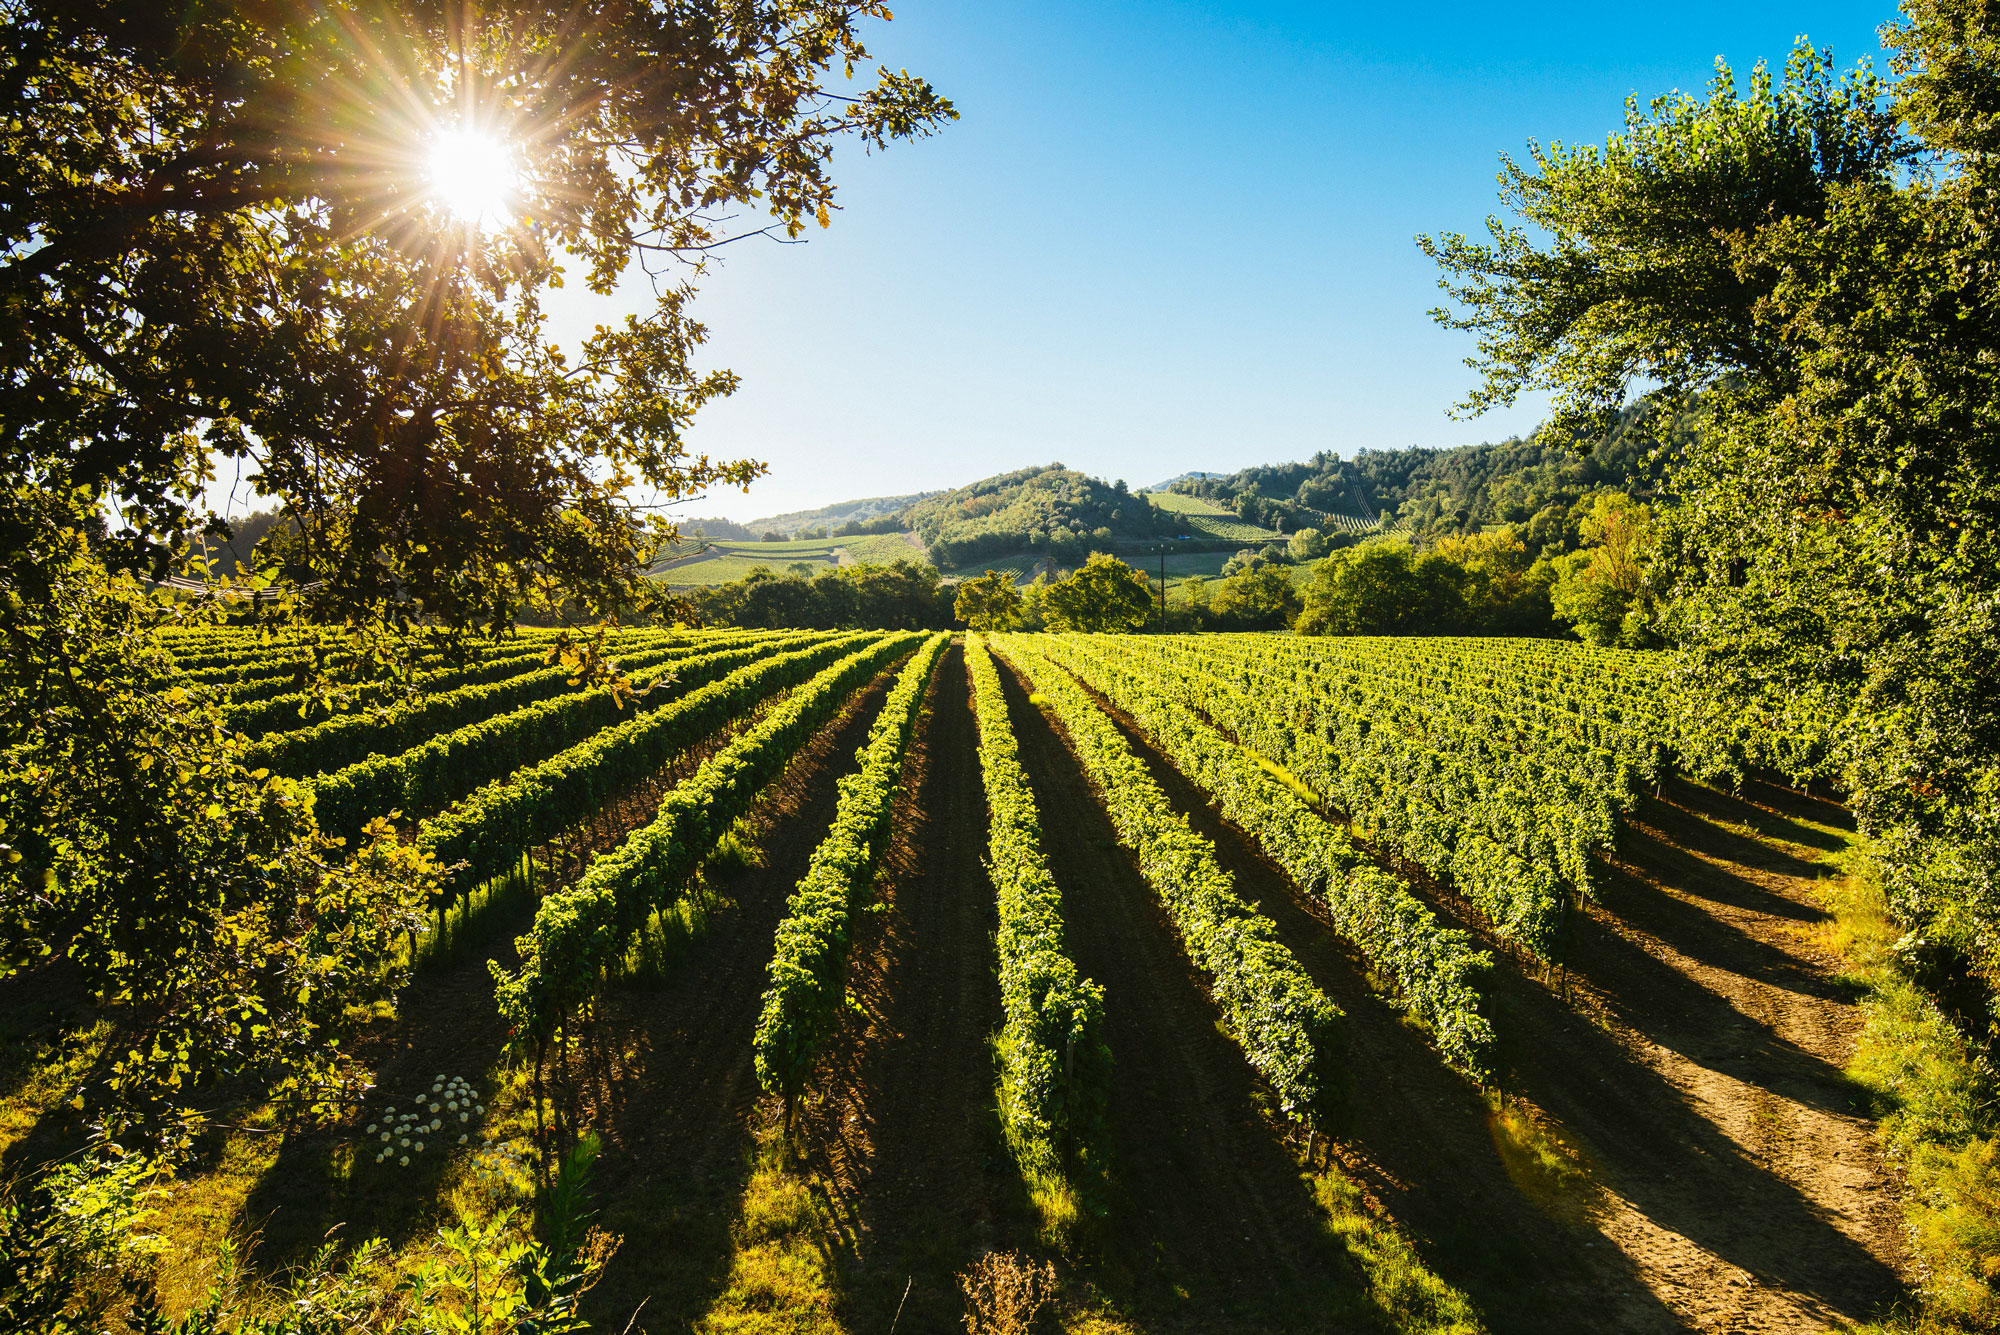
x: 1051, y: 511
x: 1429, y: 493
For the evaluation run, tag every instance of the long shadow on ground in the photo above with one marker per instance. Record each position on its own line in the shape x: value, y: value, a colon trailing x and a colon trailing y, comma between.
x: 904, y: 1129
x: 677, y: 1118
x: 1210, y: 1227
x: 1419, y: 1136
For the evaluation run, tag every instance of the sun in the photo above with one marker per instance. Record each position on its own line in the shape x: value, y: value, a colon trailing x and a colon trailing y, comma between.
x: 474, y: 176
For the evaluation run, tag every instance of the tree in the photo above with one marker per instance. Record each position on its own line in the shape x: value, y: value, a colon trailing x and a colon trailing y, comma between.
x: 315, y: 239
x: 1260, y: 599
x: 192, y: 894
x: 1103, y: 595
x: 1829, y: 562
x: 1643, y: 271
x: 1308, y: 544
x: 1599, y: 588
x: 989, y: 602
x: 1815, y: 259
x: 1383, y: 588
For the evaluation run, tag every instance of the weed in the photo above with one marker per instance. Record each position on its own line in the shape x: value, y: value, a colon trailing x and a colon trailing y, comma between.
x: 1548, y: 1170
x: 1005, y: 1292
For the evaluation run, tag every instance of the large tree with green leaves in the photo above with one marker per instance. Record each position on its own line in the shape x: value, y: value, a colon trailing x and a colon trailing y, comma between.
x: 1812, y: 257
x: 311, y: 242
x: 315, y: 239
x: 989, y: 602
x: 1813, y: 261
x: 1102, y: 595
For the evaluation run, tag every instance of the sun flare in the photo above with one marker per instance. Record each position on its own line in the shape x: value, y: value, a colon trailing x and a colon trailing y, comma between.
x: 474, y: 176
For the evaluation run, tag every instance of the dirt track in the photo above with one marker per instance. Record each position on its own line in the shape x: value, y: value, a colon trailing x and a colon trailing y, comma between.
x: 676, y: 1125
x: 1727, y: 1181
x: 1210, y: 1226
x: 905, y: 1133
x: 1693, y: 1069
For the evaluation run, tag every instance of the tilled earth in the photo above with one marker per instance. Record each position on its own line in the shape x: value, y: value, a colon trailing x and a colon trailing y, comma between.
x: 1718, y: 1172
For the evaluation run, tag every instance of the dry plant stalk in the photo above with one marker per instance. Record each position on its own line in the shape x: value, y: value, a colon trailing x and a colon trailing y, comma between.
x: 1005, y: 1292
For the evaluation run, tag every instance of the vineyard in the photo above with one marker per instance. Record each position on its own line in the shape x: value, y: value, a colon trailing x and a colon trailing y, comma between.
x: 1260, y: 982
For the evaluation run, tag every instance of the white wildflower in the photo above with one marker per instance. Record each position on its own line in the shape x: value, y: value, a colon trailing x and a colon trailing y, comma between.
x: 418, y: 1147
x: 405, y: 1161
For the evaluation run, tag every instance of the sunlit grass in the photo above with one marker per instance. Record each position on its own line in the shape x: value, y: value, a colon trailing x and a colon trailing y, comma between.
x: 781, y: 1276
x: 1412, y: 1299
x: 52, y: 1071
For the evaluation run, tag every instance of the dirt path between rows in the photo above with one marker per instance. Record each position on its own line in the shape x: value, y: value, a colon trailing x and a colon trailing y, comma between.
x: 1692, y: 1064
x: 676, y: 1125
x: 1210, y: 1227
x: 1741, y: 1173
x: 904, y: 1136
x: 1419, y: 1137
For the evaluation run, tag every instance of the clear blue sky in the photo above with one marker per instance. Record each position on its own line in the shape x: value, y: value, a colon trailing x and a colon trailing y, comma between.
x: 1169, y: 236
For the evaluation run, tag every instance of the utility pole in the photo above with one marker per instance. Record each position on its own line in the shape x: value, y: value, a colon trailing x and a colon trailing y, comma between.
x: 1163, y: 588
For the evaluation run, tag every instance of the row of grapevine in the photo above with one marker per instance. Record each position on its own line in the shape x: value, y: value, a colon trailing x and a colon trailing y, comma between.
x: 1280, y: 1018
x: 446, y: 768
x: 1592, y: 710
x: 809, y: 961
x: 349, y: 739
x: 488, y: 831
x: 579, y: 932
x: 267, y: 709
x: 1397, y: 788
x: 1055, y: 1068
x: 1547, y: 796
x: 1432, y: 970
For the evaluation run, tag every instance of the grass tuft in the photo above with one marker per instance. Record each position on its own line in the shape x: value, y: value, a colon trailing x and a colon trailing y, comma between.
x: 781, y: 1278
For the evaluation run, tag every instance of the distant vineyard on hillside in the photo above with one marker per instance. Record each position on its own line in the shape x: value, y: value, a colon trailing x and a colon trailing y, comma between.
x: 1206, y: 520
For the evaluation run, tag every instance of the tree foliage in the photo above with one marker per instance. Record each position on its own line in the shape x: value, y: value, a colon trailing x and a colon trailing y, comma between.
x: 904, y: 595
x: 223, y: 243
x: 1602, y: 589
x: 1104, y: 594
x: 1052, y: 511
x: 1382, y: 588
x: 222, y: 239
x: 195, y: 894
x: 990, y: 601
x: 1817, y: 257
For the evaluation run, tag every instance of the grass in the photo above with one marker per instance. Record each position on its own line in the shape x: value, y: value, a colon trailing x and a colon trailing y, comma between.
x: 783, y: 1241
x: 729, y: 569
x: 1933, y: 1091
x: 475, y: 920
x: 1546, y: 1168
x: 1410, y: 1298
x: 1173, y: 502
x: 1018, y: 564
x: 1207, y: 520
x: 740, y: 558
x: 883, y: 549
x: 51, y: 1066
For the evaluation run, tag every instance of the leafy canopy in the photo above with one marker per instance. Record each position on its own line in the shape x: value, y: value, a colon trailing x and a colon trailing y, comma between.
x: 1629, y: 259
x: 1102, y: 595
x: 1817, y: 256
x: 989, y: 602
x: 224, y: 238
